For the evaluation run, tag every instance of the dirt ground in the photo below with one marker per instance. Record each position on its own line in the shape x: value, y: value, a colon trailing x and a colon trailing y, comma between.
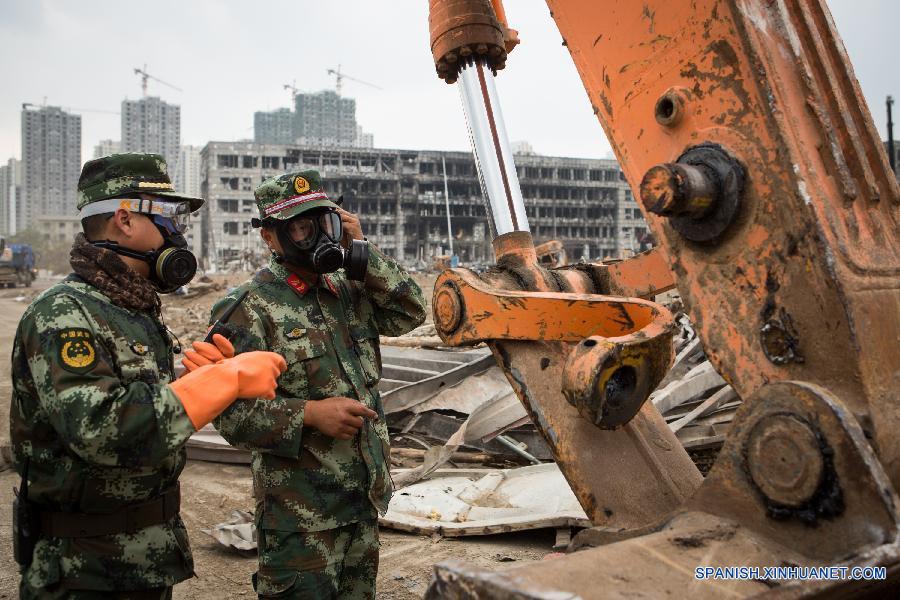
x: 212, y: 491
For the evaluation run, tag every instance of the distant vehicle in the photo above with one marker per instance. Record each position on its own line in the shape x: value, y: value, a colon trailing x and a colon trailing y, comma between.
x: 16, y: 265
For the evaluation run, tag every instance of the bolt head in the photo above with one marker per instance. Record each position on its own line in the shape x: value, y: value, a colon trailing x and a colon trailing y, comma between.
x: 447, y: 310
x: 659, y: 188
x: 785, y: 460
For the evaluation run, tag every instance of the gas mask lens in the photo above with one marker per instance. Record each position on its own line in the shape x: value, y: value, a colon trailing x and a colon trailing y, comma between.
x: 173, y: 217
x: 172, y: 225
x: 331, y: 226
x: 302, y: 231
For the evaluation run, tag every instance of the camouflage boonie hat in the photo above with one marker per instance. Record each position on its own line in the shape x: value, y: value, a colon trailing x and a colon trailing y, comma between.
x: 118, y: 175
x: 289, y: 195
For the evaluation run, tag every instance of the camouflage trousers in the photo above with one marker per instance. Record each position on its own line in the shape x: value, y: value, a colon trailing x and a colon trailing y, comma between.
x: 318, y: 565
x: 56, y: 592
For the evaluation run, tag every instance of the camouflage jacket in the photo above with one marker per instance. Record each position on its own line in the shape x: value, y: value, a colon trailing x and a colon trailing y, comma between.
x: 305, y: 480
x: 98, y: 427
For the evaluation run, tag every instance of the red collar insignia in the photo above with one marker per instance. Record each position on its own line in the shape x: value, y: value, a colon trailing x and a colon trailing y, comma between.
x: 300, y: 286
x: 330, y: 285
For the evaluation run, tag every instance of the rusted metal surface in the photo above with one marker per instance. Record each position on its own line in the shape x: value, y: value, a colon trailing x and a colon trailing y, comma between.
x: 462, y: 30
x: 730, y: 520
x: 624, y: 478
x: 804, y: 283
x: 852, y: 503
x: 551, y: 254
x: 544, y: 340
x: 642, y: 276
x: 795, y: 294
x: 468, y: 311
x: 659, y: 565
x: 700, y: 193
x: 608, y: 380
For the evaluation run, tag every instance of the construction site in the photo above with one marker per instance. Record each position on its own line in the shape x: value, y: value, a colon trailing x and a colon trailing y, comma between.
x: 674, y: 374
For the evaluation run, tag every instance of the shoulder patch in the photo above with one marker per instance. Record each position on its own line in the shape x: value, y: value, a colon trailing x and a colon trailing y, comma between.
x: 76, y: 350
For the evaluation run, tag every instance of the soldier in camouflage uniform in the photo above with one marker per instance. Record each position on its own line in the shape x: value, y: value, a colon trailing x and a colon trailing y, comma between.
x: 321, y: 454
x: 98, y: 422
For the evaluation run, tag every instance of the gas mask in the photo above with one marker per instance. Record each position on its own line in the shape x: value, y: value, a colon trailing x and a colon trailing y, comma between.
x: 172, y: 265
x: 313, y: 242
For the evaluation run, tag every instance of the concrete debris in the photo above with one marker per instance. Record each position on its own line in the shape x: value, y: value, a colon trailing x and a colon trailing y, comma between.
x: 239, y: 532
x: 487, y: 420
x: 206, y: 444
x: 698, y: 382
x: 460, y: 502
x: 454, y: 503
x: 413, y: 376
x: 695, y: 400
x: 713, y: 402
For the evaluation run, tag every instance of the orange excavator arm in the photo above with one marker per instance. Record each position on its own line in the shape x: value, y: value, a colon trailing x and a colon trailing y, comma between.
x: 760, y: 173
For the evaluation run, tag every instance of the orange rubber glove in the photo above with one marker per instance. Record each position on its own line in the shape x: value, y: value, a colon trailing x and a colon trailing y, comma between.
x: 209, y: 390
x: 205, y: 353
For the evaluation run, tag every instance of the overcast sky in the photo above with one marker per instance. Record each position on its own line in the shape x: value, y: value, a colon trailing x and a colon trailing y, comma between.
x: 232, y: 58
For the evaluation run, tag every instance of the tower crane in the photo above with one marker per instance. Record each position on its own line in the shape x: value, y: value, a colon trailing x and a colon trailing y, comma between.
x: 145, y: 76
x: 292, y: 86
x: 339, y: 77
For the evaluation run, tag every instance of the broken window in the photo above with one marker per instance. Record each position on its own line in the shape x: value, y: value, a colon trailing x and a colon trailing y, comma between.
x: 228, y: 161
x: 270, y: 162
x: 229, y: 182
x: 230, y: 227
x: 229, y: 206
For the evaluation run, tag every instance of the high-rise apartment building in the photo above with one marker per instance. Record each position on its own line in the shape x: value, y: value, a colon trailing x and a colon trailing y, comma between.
x: 151, y: 125
x: 273, y: 127
x: 187, y: 181
x: 11, y: 197
x: 51, y: 162
x: 188, y: 174
x: 324, y: 118
x: 107, y: 147
x: 321, y: 119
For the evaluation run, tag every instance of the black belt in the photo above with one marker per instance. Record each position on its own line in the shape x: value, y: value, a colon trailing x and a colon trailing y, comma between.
x: 127, y: 519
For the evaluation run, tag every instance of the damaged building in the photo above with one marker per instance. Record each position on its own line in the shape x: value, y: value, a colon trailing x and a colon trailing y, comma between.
x: 399, y: 196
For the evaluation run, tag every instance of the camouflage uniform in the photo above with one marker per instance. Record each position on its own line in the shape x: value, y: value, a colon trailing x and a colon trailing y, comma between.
x: 96, y: 426
x: 317, y: 498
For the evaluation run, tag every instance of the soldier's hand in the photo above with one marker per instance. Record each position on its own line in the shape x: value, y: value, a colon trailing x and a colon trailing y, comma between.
x: 338, y: 417
x: 352, y: 227
x: 205, y: 353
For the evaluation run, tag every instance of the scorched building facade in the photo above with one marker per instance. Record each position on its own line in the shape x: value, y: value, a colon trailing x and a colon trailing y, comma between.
x: 399, y: 196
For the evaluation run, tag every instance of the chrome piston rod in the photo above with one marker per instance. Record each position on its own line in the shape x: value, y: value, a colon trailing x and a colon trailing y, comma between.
x: 493, y: 157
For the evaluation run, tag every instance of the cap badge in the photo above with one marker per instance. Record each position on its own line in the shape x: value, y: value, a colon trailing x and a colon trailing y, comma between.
x: 301, y: 185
